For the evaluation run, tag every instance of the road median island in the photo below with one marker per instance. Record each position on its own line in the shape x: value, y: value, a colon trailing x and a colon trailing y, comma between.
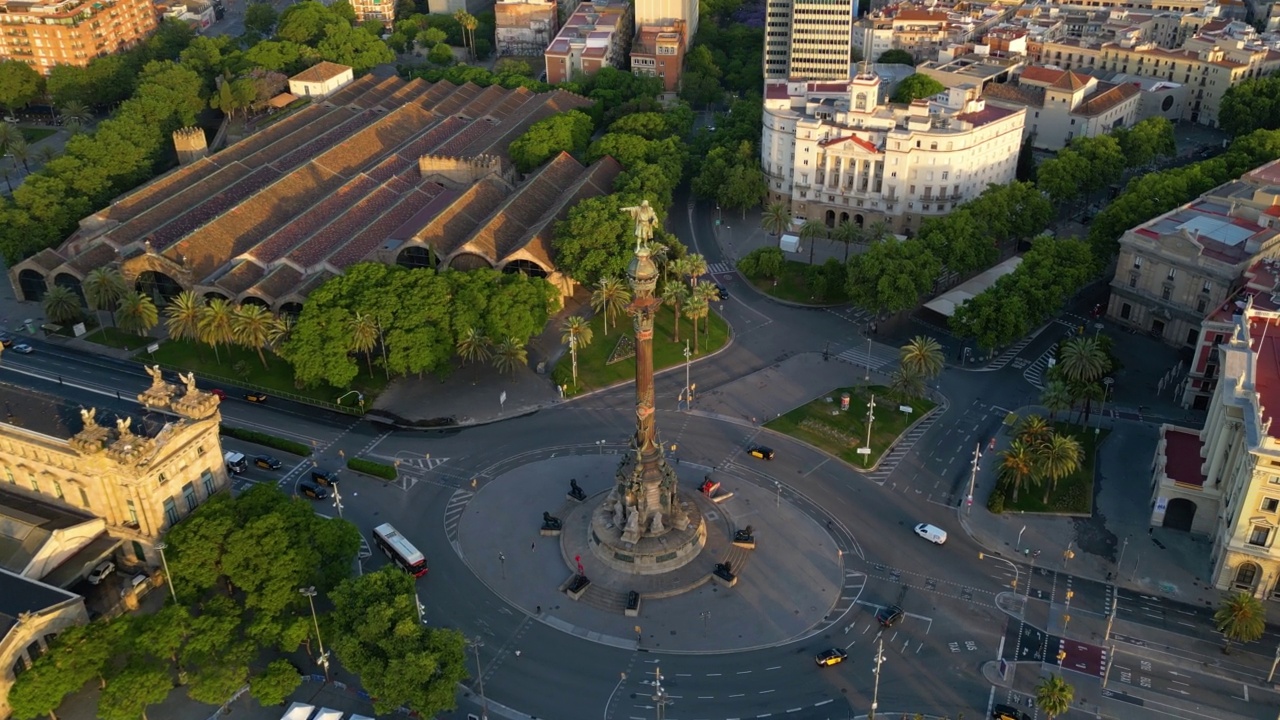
x: 823, y: 423
x: 369, y: 467
x: 260, y: 438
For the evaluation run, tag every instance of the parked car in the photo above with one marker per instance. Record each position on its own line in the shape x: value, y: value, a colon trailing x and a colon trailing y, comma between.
x: 135, y: 584
x: 104, y: 568
x: 23, y: 348
x: 256, y: 397
x: 312, y: 490
x: 760, y: 451
x: 1007, y: 712
x: 931, y: 533
x: 889, y: 615
x: 220, y: 394
x: 11, y: 120
x: 266, y: 462
x: 834, y: 656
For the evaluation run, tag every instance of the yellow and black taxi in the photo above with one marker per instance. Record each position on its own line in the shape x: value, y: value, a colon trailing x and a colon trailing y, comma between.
x: 256, y: 397
x: 760, y: 451
x: 834, y: 656
x: 1007, y: 712
x: 312, y: 490
x: 266, y: 462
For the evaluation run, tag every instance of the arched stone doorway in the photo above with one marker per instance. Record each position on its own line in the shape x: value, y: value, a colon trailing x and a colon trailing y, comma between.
x: 253, y: 300
x: 468, y: 261
x: 416, y: 257
x: 211, y: 296
x: 1246, y: 577
x: 1179, y: 515
x: 831, y: 218
x: 859, y: 220
x: 159, y: 287
x: 844, y: 218
x: 528, y: 267
x: 72, y: 283
x: 33, y: 285
x: 291, y: 309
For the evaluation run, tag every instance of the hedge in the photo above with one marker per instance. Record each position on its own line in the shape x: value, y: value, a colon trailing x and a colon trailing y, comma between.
x: 369, y: 467
x: 258, y: 438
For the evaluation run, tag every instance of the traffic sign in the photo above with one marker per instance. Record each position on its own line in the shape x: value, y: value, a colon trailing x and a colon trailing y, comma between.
x: 864, y: 451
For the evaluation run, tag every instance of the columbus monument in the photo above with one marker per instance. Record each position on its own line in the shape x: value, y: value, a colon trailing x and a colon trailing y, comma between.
x: 645, y: 525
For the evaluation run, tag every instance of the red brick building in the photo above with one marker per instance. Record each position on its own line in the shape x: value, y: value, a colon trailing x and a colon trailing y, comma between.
x: 595, y: 35
x: 659, y: 52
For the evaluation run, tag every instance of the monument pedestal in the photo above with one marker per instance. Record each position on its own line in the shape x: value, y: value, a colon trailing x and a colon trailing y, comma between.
x: 648, y: 555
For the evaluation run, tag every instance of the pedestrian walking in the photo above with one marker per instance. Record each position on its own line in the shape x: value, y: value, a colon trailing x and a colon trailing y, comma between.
x: 533, y: 546
x: 539, y: 610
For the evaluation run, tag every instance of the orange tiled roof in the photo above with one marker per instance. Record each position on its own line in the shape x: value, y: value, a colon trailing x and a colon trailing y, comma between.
x: 321, y: 71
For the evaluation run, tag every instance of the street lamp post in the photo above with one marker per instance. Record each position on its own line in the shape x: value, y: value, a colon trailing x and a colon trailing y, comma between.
x: 600, y: 447
x: 167, y: 577
x: 875, y: 693
x: 1120, y: 562
x: 502, y: 560
x: 1106, y: 385
x: 973, y: 479
x: 688, y: 401
x: 1136, y: 562
x: 422, y: 609
x: 706, y: 618
x: 484, y: 702
x: 310, y: 592
x: 1018, y: 546
x: 871, y: 418
x: 1012, y: 564
x: 867, y: 377
x: 660, y: 698
x: 337, y: 499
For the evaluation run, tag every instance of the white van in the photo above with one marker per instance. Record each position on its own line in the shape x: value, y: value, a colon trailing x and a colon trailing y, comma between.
x: 931, y: 533
x: 235, y: 462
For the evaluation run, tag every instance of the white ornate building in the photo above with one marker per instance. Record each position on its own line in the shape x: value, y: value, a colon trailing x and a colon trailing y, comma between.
x: 836, y: 152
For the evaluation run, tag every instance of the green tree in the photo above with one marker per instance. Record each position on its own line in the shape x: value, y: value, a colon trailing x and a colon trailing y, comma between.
x: 1018, y: 465
x: 763, y: 262
x: 1240, y: 618
x: 1034, y: 431
x: 182, y: 316
x: 676, y: 295
x: 469, y: 25
x: 1147, y: 140
x: 846, y: 233
x: 251, y: 326
x: 776, y: 218
x: 696, y: 308
x: 281, y: 56
x: 440, y: 54
x: 431, y: 37
x: 1105, y: 159
x: 103, y: 289
x: 128, y: 695
x: 20, y: 151
x: 61, y: 305
x: 896, y: 57
x: 1056, y: 397
x: 400, y: 662
x: 234, y: 95
x: 1054, y: 696
x: 916, y: 87
x: 565, y: 132
x: 473, y: 346
x: 743, y: 188
x: 575, y: 332
x: 1058, y: 457
x: 510, y: 355
x: 364, y: 337
x: 216, y: 325
x: 346, y: 45
x: 276, y: 683
x: 260, y: 18
x: 1082, y: 359
x: 811, y: 230
x: 19, y: 84
x: 906, y: 384
x: 922, y: 355
x: 609, y: 298
x: 891, y: 275
x: 1253, y: 104
x: 137, y: 313
x: 595, y: 240
x: 306, y: 23
x: 1062, y: 178
x: 75, y: 115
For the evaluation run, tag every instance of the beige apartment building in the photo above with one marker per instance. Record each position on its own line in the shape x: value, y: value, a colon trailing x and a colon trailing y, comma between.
x: 32, y: 613
x: 668, y: 13
x: 1174, y: 270
x: 597, y: 35
x: 1063, y: 105
x: 1224, y: 481
x: 524, y: 27
x: 384, y: 11
x: 836, y: 154
x: 44, y: 33
x: 1206, y: 68
x: 659, y: 52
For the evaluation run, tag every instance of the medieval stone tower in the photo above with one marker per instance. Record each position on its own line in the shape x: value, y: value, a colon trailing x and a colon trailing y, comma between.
x: 190, y: 144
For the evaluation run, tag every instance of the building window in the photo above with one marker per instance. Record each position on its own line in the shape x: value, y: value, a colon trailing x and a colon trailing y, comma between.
x: 199, y: 451
x: 1173, y: 273
x: 207, y: 478
x: 1259, y: 535
x: 1137, y: 261
x: 1165, y: 292
x: 84, y: 498
x: 163, y: 478
x: 57, y: 489
x: 35, y: 484
x: 9, y: 474
x: 1206, y: 287
x: 171, y: 511
x: 1200, y: 305
x: 133, y: 513
x: 189, y: 494
x: 1270, y: 504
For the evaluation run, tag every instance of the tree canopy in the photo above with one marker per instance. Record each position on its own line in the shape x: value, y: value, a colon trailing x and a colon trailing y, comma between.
x: 1251, y: 105
x: 897, y: 57
x: 916, y: 87
x: 19, y: 84
x: 565, y: 132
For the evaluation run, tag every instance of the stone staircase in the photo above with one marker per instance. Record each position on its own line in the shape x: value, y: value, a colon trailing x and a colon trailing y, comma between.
x: 601, y: 598
x: 737, y: 558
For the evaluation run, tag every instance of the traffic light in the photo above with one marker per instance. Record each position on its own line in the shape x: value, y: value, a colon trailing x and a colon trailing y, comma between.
x: 1070, y: 594
x: 1062, y: 655
x: 981, y: 555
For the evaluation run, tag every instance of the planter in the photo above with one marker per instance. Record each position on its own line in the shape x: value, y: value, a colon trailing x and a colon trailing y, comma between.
x: 633, y: 604
x: 577, y: 586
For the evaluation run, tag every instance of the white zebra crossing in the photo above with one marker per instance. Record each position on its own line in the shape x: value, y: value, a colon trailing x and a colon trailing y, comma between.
x: 877, y: 359
x: 1034, y: 373
x: 719, y: 268
x: 904, y: 446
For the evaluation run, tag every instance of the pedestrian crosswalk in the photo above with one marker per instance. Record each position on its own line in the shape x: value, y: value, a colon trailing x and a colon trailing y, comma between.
x: 877, y: 359
x: 719, y: 268
x: 1034, y: 373
x: 857, y: 316
x: 904, y: 446
x: 1008, y: 355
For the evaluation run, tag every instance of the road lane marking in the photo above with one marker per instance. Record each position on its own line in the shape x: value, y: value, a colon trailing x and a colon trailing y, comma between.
x: 765, y: 692
x: 738, y: 695
x: 706, y: 697
x: 775, y: 667
x: 828, y: 701
x: 744, y: 672
x: 1246, y: 693
x: 713, y: 674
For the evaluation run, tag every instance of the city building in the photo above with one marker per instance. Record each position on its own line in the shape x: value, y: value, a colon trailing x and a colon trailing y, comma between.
x: 524, y: 27
x: 199, y: 16
x: 667, y: 13
x: 320, y: 80
x: 32, y: 613
x: 871, y: 37
x: 808, y: 39
x: 597, y: 34
x: 44, y: 33
x: 1173, y: 269
x: 383, y: 11
x: 449, y: 7
x: 60, y: 543
x: 1224, y: 480
x: 659, y: 52
x: 836, y: 154
x: 1062, y: 105
x: 1259, y: 286
x: 921, y: 32
x: 975, y: 69
x: 384, y: 170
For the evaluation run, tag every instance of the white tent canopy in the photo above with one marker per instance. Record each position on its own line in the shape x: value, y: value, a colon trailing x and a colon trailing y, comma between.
x: 789, y: 243
x: 946, y: 303
x: 328, y: 714
x: 298, y: 711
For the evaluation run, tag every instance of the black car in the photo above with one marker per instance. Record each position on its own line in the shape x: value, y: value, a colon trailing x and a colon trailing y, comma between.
x: 324, y: 477
x: 266, y: 462
x: 722, y: 292
x: 312, y: 490
x: 1007, y: 712
x: 256, y: 397
x: 760, y: 451
x: 889, y: 615
x: 6, y: 339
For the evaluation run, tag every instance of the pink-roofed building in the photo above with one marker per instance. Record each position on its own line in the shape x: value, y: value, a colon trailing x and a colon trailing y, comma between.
x: 1172, y: 270
x: 1224, y: 481
x: 596, y: 35
x: 1260, y: 285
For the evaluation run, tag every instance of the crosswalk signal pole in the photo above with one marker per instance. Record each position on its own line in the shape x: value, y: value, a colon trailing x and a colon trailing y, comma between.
x: 875, y: 694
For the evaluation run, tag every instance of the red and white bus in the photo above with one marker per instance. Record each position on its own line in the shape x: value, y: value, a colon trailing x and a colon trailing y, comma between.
x: 401, y: 551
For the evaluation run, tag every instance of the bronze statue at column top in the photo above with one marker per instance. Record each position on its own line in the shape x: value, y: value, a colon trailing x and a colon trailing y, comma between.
x: 644, y: 500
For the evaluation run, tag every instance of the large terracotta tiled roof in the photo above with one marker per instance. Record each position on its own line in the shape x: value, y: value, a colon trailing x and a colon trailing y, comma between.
x: 321, y: 71
x: 337, y: 183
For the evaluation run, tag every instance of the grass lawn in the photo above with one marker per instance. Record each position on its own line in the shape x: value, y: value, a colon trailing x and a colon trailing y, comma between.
x: 1074, y: 493
x: 841, y: 433
x: 276, y: 378
x: 594, y: 371
x: 117, y: 338
x: 793, y: 286
x: 35, y: 135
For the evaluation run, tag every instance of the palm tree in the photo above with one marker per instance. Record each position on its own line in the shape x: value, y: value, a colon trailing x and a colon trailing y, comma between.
x: 922, y: 356
x: 364, y: 337
x: 879, y: 230
x: 1059, y: 457
x: 46, y: 154
x: 214, y: 325
x: 847, y: 233
x: 676, y: 296
x: 709, y: 293
x: 1056, y: 398
x: 776, y: 218
x: 609, y: 298
x: 695, y: 266
x: 61, y: 304
x: 1034, y: 431
x: 251, y: 327
x: 812, y: 229
x: 1054, y: 696
x: 906, y: 383
x: 20, y: 151
x: 696, y: 308
x: 473, y: 346
x: 182, y: 316
x: 103, y: 287
x: 576, y: 333
x: 281, y: 329
x: 509, y: 355
x: 8, y: 134
x: 1082, y: 360
x: 138, y: 314
x: 1241, y: 618
x: 1018, y: 465
x: 75, y: 115
x: 469, y: 24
